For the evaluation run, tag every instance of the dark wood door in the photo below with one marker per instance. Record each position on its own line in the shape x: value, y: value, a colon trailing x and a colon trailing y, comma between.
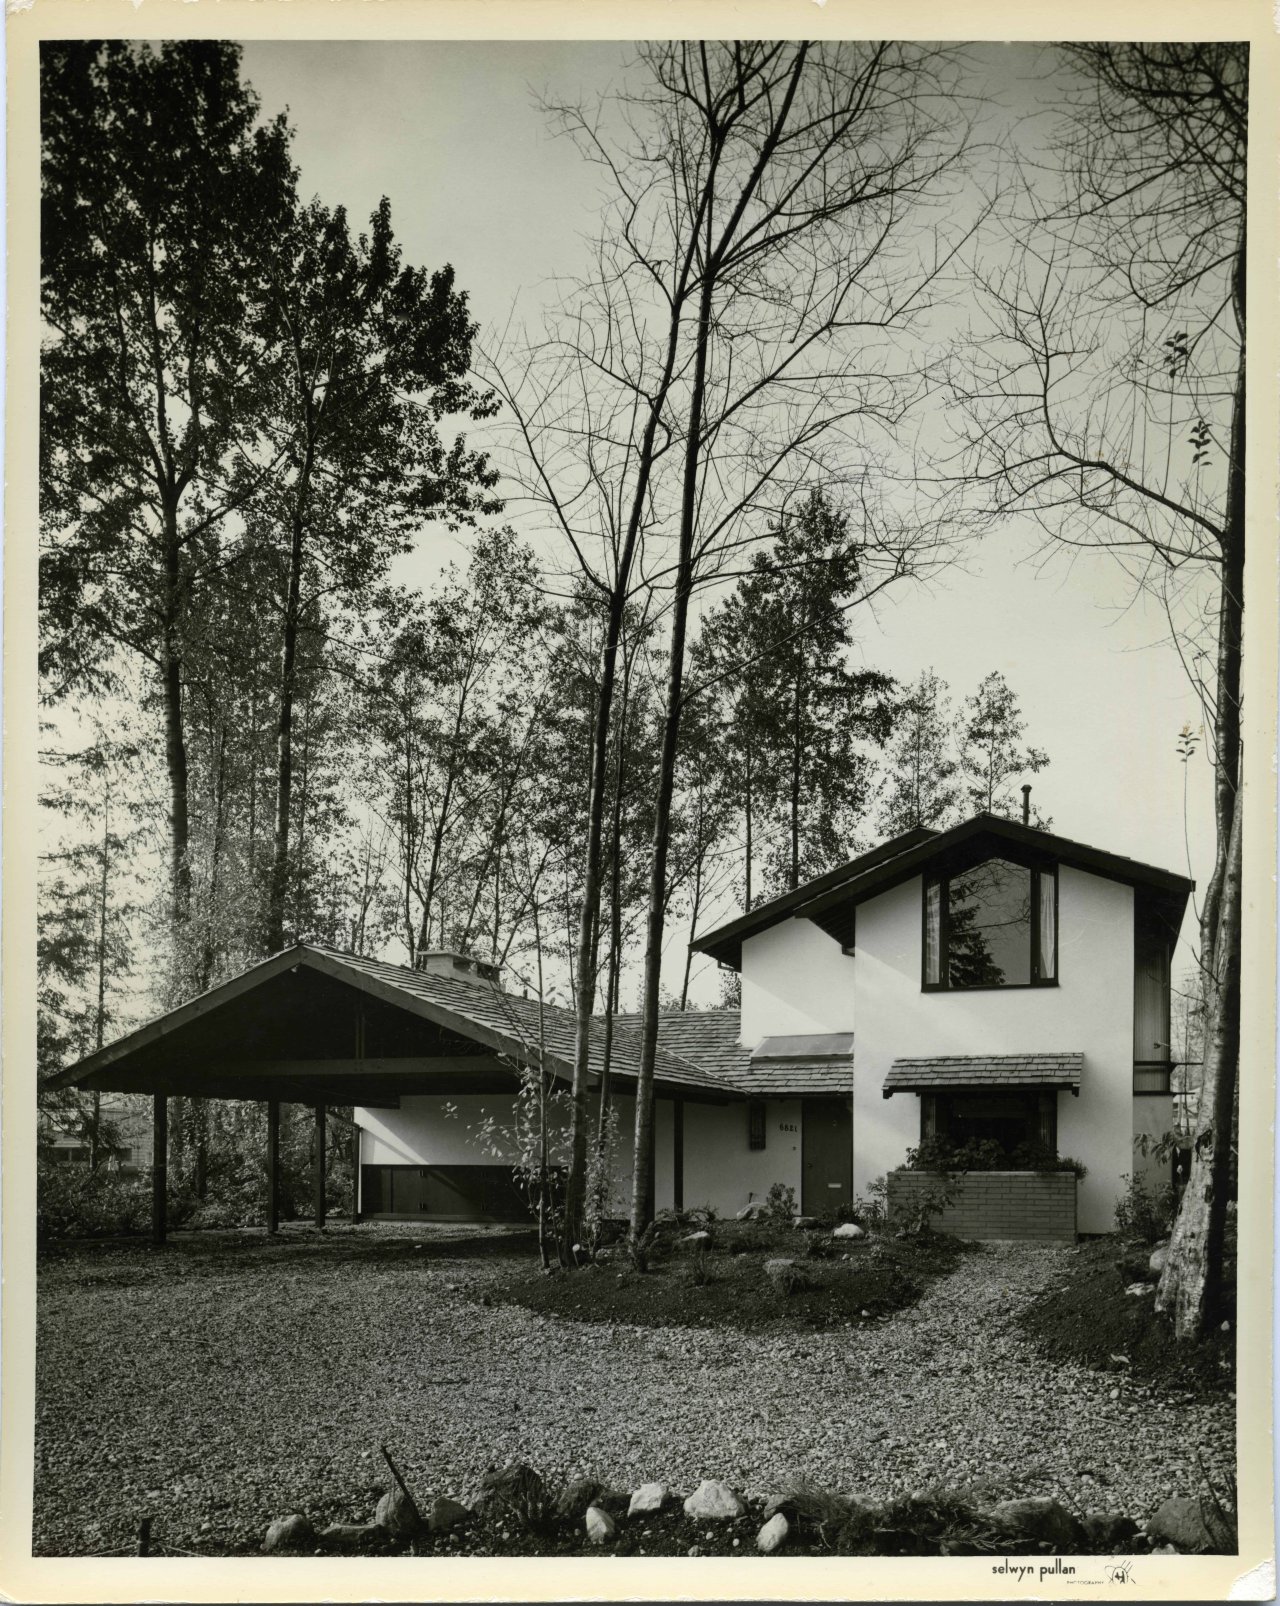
x: 826, y: 1153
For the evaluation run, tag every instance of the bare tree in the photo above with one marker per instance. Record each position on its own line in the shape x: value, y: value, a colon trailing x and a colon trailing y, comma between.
x: 793, y: 168
x: 751, y: 265
x: 1106, y: 399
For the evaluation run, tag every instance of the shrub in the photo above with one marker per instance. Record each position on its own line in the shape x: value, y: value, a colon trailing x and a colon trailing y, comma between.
x: 698, y: 1270
x: 939, y: 1153
x: 74, y: 1202
x: 780, y: 1202
x: 1142, y: 1214
x: 917, y: 1217
x: 518, y: 1494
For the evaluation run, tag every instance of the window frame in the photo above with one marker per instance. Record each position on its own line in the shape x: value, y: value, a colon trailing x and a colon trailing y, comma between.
x: 1036, y: 869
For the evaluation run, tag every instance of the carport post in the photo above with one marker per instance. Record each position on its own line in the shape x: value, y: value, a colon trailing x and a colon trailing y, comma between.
x: 319, y: 1169
x: 273, y: 1165
x: 355, y: 1174
x: 159, y: 1166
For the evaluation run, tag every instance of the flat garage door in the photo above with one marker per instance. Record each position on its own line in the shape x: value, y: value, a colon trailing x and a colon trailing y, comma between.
x: 442, y: 1193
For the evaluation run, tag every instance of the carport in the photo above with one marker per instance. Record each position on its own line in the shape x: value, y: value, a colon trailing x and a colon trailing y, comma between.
x: 323, y: 1028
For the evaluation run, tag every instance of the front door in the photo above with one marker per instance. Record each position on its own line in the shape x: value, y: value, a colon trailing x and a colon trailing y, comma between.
x: 826, y: 1152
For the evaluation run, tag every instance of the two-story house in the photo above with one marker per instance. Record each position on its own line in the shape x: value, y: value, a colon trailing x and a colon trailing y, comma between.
x: 988, y: 982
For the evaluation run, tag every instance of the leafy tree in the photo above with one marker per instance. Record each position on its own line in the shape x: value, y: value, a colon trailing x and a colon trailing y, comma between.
x: 376, y: 356
x: 157, y: 181
x: 991, y: 759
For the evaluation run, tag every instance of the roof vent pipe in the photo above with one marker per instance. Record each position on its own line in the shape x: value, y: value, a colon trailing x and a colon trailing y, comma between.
x: 1026, y: 804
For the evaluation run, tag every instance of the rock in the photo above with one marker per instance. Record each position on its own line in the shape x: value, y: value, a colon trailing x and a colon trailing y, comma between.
x: 649, y: 1497
x: 600, y: 1525
x: 756, y: 1210
x: 1179, y: 1521
x: 1038, y: 1518
x: 802, y: 1223
x: 446, y: 1514
x: 773, y: 1534
x: 848, y: 1229
x: 398, y: 1515
x: 778, y: 1267
x: 1138, y: 1289
x: 1107, y: 1532
x: 289, y: 1533
x: 350, y: 1535
x: 713, y: 1499
x: 694, y: 1550
x: 697, y: 1240
x: 1158, y: 1257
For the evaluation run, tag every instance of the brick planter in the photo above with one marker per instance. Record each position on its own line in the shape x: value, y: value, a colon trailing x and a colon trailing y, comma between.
x: 1035, y: 1205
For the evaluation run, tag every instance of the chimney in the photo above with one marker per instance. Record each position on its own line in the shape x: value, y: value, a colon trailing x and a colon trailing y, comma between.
x: 1026, y: 804
x: 458, y: 967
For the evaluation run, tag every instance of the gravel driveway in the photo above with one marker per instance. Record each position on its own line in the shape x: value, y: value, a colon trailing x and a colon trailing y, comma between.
x: 217, y: 1395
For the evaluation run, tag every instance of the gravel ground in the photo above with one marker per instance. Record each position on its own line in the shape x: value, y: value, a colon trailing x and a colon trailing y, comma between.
x: 217, y: 1393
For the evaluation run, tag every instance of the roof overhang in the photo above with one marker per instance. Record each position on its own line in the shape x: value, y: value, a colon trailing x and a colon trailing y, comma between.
x: 831, y: 901
x: 946, y: 1073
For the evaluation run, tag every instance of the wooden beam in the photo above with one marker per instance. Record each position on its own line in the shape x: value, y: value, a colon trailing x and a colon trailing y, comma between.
x: 273, y: 1165
x: 227, y: 1072
x: 355, y: 1174
x: 159, y: 1168
x: 321, y: 1133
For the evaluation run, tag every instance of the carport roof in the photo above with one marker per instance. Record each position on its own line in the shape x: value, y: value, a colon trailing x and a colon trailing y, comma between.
x: 507, y: 1026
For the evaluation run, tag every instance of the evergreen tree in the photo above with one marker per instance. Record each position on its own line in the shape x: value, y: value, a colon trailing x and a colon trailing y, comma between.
x: 923, y: 786
x: 991, y: 761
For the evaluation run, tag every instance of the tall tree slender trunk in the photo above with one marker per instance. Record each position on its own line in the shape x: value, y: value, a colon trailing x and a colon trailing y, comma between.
x: 100, y: 1014
x: 642, y: 1173
x: 615, y: 910
x: 284, y: 738
x: 175, y: 739
x: 1190, y: 1285
x: 747, y: 820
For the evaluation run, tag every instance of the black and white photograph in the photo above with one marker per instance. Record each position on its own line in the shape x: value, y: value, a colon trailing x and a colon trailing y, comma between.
x: 645, y: 943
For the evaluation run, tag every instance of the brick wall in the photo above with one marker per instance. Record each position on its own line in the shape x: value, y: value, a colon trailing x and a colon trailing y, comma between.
x: 1037, y: 1205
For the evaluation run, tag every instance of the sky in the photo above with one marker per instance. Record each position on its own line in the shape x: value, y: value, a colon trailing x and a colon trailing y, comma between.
x: 454, y: 135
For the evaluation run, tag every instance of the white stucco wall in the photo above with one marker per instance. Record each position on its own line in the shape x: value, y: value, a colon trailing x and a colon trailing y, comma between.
x: 722, y: 1171
x: 1090, y: 1010
x: 795, y: 979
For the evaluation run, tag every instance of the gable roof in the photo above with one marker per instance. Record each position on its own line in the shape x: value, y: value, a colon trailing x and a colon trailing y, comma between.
x: 831, y: 900
x: 504, y: 1023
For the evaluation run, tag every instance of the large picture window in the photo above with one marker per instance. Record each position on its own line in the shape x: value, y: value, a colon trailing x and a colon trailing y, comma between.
x: 994, y: 925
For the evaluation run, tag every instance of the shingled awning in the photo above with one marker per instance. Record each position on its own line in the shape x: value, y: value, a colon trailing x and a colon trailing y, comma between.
x: 945, y: 1072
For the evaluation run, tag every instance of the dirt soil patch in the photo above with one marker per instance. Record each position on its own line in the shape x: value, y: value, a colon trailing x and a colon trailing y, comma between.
x: 1088, y: 1317
x: 847, y: 1284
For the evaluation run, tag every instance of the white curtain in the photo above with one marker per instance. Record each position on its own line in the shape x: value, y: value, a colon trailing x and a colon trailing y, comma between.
x: 1048, y: 927
x: 933, y: 933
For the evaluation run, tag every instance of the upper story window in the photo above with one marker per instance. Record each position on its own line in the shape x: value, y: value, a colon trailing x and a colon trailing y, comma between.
x: 994, y: 925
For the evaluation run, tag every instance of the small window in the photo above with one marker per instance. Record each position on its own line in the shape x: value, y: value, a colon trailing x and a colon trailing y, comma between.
x: 755, y: 1124
x: 993, y: 925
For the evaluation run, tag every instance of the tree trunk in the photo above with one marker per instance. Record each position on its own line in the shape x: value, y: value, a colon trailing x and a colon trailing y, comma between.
x: 643, y: 1171
x: 584, y: 979
x: 1190, y: 1285
x: 175, y: 741
x: 284, y: 743
x: 747, y: 814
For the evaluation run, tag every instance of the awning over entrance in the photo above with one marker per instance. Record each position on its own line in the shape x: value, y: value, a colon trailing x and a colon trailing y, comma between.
x: 942, y: 1073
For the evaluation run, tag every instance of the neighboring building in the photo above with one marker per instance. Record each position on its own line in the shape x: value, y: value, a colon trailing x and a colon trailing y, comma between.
x: 126, y: 1130
x: 992, y: 981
